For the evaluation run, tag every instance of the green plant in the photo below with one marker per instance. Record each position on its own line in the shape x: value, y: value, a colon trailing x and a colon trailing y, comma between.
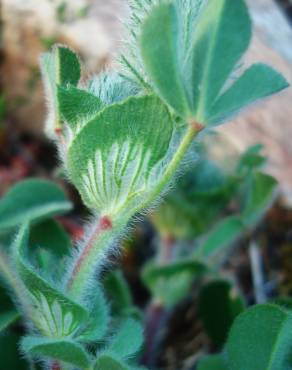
x: 122, y: 138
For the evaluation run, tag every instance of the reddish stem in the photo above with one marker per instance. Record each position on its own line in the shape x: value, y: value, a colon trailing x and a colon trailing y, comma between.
x: 103, y: 224
x: 55, y: 366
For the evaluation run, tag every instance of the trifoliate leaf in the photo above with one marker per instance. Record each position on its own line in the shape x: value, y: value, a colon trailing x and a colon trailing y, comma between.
x: 31, y: 200
x: 219, y: 299
x: 63, y: 350
x: 117, y: 158
x: 53, y: 313
x: 260, y: 339
x: 128, y: 339
x: 213, y: 362
x: 198, y: 81
x: 220, y: 237
x: 97, y: 324
x: 60, y: 67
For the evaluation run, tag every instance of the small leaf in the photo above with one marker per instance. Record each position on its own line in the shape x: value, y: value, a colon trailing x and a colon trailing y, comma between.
x: 107, y: 362
x: 251, y: 159
x: 212, y: 362
x: 76, y: 106
x: 98, y: 322
x: 66, y: 351
x: 128, y: 339
x: 219, y: 299
x: 258, y: 82
x: 118, y: 291
x: 260, y: 196
x: 31, y: 200
x: 170, y: 283
x: 222, y: 236
x: 260, y: 336
x: 48, y: 244
x: 53, y: 313
x: 60, y: 67
x: 118, y: 167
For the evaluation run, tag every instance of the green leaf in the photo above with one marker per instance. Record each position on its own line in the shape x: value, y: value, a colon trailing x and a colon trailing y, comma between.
x: 128, y: 339
x: 219, y: 299
x: 258, y: 82
x: 195, y: 78
x: 170, y: 283
x: 54, y: 314
x: 212, y: 362
x: 261, y: 336
x: 31, y: 200
x: 261, y: 193
x: 50, y: 235
x: 98, y: 322
x: 66, y: 351
x: 76, y: 106
x: 251, y: 159
x: 222, y: 236
x: 117, y: 168
x: 11, y: 358
x: 106, y: 362
x: 60, y: 67
x: 159, y: 48
x: 118, y: 292
x: 48, y: 244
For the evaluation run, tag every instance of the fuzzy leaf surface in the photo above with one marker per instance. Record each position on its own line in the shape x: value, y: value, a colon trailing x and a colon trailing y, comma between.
x: 98, y: 322
x: 31, y: 200
x: 117, y: 157
x: 60, y: 67
x: 54, y: 314
x: 261, y: 336
x: 63, y: 350
x: 77, y: 106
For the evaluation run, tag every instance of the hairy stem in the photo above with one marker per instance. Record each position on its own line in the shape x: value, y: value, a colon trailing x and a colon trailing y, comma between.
x: 193, y: 130
x: 92, y: 252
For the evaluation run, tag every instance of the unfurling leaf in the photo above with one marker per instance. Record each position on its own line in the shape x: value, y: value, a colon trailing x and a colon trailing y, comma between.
x: 63, y: 350
x: 54, y: 314
x: 31, y: 200
x: 199, y: 81
x: 260, y: 339
x: 115, y: 169
x: 60, y: 67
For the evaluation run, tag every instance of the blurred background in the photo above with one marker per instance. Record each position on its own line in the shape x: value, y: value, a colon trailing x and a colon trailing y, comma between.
x: 94, y: 29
